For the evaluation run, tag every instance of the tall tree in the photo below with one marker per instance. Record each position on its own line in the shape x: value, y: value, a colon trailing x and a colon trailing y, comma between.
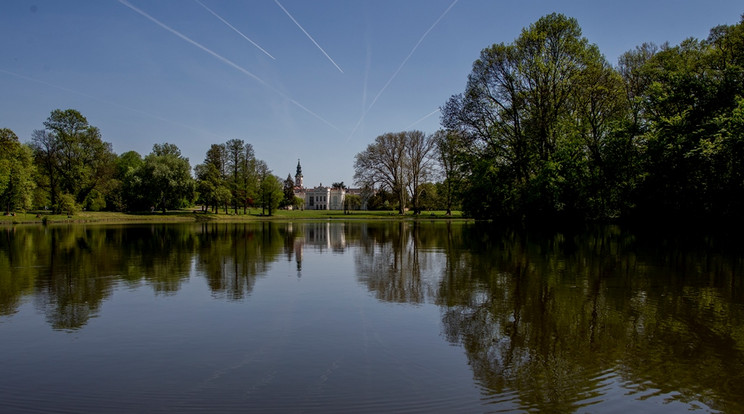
x: 78, y: 162
x: 128, y: 167
x: 249, y: 177
x: 16, y: 172
x: 45, y: 148
x: 519, y: 116
x: 419, y: 164
x: 270, y: 189
x: 212, y: 177
x: 288, y: 191
x: 235, y: 151
x: 384, y: 163
x: 166, y: 178
x: 449, y: 151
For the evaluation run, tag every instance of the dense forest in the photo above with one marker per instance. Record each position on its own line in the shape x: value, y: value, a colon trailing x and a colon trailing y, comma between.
x: 545, y: 129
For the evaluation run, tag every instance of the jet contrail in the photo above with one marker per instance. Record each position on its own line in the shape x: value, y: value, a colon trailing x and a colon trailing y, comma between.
x: 236, y: 30
x: 225, y: 61
x: 401, y: 67
x: 139, y: 111
x: 308, y: 35
x: 421, y: 119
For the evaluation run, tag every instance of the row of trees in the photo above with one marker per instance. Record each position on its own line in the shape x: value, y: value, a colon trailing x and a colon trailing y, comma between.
x: 410, y: 169
x: 232, y: 176
x: 68, y: 166
x: 548, y: 128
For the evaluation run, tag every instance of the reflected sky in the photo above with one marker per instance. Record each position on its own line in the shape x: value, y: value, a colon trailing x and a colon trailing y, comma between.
x: 368, y: 316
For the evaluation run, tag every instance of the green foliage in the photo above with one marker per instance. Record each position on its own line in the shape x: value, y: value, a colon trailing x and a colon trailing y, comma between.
x: 288, y: 188
x: 298, y: 203
x: 553, y: 131
x: 398, y: 163
x: 95, y: 201
x: 16, y: 173
x: 234, y: 166
x: 165, y: 178
x: 352, y: 202
x: 270, y: 192
x: 66, y: 204
x: 73, y: 157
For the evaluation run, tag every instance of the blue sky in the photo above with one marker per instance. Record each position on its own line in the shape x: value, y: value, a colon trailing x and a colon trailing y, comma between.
x: 310, y: 79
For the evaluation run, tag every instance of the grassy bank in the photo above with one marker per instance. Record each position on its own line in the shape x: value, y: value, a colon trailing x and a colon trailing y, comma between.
x: 187, y: 215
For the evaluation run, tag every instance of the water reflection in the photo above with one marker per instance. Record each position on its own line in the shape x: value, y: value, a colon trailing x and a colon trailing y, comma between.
x: 560, y: 318
x: 554, y: 321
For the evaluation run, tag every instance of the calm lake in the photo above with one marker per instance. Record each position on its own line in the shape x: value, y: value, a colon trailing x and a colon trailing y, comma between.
x: 368, y: 317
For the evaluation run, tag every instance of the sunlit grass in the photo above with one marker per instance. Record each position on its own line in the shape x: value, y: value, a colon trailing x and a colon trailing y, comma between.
x: 195, y: 214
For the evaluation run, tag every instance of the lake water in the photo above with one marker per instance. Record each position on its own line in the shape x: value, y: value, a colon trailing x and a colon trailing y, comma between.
x: 368, y: 317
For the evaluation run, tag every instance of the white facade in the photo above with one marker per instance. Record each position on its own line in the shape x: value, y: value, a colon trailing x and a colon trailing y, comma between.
x: 324, y: 198
x: 320, y: 198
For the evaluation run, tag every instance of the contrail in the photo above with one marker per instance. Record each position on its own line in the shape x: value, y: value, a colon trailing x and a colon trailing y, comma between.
x: 236, y: 30
x: 421, y: 119
x: 139, y: 111
x: 308, y: 35
x: 226, y: 61
x: 401, y: 66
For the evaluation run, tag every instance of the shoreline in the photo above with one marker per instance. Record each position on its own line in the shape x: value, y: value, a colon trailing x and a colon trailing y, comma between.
x: 194, y: 216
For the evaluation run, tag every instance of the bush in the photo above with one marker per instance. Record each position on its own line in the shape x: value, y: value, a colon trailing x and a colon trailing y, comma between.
x: 66, y: 204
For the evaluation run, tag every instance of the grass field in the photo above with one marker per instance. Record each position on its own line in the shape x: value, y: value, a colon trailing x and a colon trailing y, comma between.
x: 195, y: 214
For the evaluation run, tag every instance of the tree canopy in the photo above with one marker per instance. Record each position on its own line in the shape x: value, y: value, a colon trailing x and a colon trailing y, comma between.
x: 555, y: 131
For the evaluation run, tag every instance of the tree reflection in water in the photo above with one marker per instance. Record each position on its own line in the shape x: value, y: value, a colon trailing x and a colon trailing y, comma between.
x: 559, y: 318
x: 549, y: 321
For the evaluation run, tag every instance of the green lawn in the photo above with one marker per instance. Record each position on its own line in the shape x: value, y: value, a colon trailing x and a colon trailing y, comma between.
x: 195, y: 214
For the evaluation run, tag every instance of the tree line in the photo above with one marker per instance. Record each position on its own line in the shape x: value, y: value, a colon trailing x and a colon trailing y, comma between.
x: 547, y: 129
x: 67, y: 167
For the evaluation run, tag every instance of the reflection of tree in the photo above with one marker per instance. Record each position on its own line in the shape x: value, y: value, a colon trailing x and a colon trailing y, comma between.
x: 18, y: 250
x: 159, y: 254
x: 231, y: 256
x: 548, y: 317
x: 74, y: 281
x: 73, y: 269
x: 394, y: 261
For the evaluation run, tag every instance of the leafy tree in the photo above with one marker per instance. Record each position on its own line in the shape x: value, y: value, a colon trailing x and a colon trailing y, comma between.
x: 128, y: 176
x: 383, y: 163
x: 531, y: 112
x: 73, y: 156
x: 236, y: 162
x: 16, y: 172
x: 419, y: 164
x: 398, y: 162
x: 249, y: 179
x: 232, y: 165
x: 166, y: 178
x: 449, y: 153
x: 693, y: 156
x: 298, y: 203
x: 289, y: 197
x: 270, y: 190
x: 429, y: 199
x: 66, y: 204
x: 352, y: 202
x: 211, y: 175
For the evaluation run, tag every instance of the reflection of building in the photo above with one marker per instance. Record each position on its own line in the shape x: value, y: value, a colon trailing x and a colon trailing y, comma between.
x: 321, y: 197
x: 320, y: 236
x: 326, y: 236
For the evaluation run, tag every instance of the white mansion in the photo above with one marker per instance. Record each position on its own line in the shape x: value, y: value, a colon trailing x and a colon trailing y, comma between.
x: 321, y: 198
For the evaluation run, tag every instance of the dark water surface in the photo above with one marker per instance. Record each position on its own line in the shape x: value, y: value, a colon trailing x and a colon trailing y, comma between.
x: 368, y: 317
